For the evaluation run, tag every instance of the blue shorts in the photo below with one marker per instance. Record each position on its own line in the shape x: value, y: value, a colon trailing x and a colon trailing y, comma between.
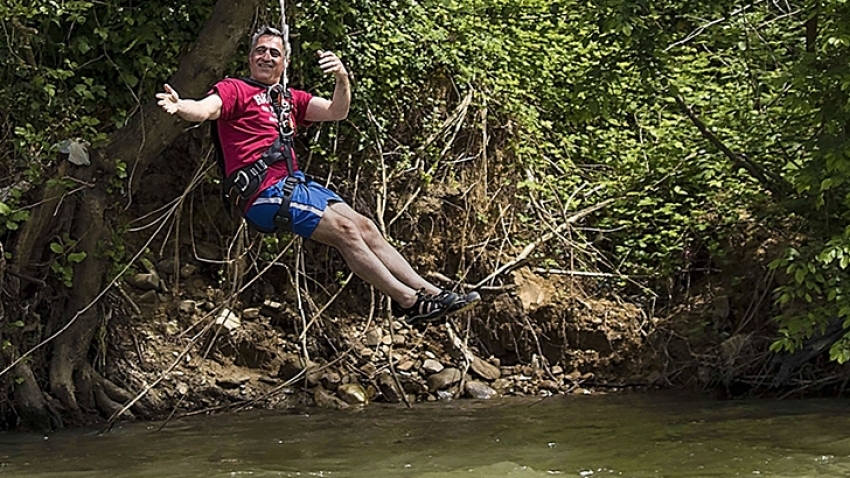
x: 309, y: 201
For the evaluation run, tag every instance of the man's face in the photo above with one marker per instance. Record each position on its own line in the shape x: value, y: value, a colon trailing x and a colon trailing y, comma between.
x: 266, y: 60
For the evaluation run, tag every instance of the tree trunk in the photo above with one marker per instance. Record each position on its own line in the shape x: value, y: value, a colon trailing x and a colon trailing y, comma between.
x: 72, y: 380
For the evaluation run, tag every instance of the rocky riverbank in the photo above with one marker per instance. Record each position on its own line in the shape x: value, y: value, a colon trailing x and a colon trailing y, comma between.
x: 195, y: 354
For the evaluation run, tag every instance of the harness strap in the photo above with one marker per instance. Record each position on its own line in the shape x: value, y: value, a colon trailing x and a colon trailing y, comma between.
x: 283, y: 217
x: 243, y: 184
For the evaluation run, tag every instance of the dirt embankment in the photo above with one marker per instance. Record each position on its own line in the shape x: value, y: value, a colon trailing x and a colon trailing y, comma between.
x: 537, y: 336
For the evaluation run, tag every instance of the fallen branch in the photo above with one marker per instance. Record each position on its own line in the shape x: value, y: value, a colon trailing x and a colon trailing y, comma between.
x: 546, y: 270
x: 466, y: 286
x: 546, y: 237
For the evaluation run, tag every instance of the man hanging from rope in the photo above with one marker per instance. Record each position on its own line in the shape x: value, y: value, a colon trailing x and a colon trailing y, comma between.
x: 255, y: 121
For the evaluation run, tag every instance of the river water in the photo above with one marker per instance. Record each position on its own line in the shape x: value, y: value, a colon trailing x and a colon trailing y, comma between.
x: 633, y: 435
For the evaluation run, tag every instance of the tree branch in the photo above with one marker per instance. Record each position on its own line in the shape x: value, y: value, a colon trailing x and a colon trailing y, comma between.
x: 772, y: 182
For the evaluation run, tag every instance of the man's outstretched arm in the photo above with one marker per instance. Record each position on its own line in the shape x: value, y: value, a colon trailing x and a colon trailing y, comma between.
x: 320, y: 109
x: 208, y: 108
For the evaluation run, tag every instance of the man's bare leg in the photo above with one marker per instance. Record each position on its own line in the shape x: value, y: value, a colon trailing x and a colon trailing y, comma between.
x: 384, y: 251
x: 338, y: 230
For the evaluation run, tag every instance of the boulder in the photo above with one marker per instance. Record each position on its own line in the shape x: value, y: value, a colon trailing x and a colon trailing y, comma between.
x: 444, y: 379
x: 388, y: 388
x: 480, y: 390
x: 149, y: 281
x: 485, y: 369
x: 326, y: 399
x: 352, y: 393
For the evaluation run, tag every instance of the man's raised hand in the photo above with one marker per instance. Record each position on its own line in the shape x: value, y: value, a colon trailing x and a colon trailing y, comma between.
x: 169, y: 100
x: 330, y: 63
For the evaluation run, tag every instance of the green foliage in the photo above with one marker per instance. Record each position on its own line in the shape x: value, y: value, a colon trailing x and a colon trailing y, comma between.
x: 10, y: 219
x: 577, y: 98
x: 67, y: 258
x: 78, y: 69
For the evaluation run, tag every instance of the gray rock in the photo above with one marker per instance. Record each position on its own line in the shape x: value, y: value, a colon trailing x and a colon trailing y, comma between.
x: 444, y: 379
x: 148, y: 281
x: 251, y: 313
x: 233, y: 381
x: 550, y: 385
x: 272, y: 309
x: 291, y: 365
x: 326, y: 399
x: 373, y: 337
x: 445, y: 395
x: 406, y: 366
x: 388, y: 388
x: 331, y: 380
x: 188, y: 306
x: 485, y: 369
x: 431, y: 366
x: 187, y: 270
x: 480, y: 390
x: 228, y: 319
x: 352, y: 393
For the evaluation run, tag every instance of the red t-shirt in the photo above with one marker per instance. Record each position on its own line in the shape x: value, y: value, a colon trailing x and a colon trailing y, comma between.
x: 247, y: 126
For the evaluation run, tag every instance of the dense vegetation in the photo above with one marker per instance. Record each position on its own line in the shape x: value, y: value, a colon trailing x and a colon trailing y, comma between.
x: 693, y: 137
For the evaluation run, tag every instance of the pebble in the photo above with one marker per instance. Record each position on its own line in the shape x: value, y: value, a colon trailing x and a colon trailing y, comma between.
x: 187, y: 270
x: 188, y: 306
x: 373, y: 337
x: 406, y: 366
x: 232, y: 381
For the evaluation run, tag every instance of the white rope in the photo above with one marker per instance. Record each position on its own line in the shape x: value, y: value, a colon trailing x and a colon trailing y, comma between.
x: 287, y: 49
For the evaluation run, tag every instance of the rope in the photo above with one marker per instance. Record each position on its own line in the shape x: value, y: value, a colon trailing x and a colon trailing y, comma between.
x: 286, y: 47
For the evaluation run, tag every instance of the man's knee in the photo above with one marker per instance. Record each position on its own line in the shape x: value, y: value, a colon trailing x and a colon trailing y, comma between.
x: 338, y: 230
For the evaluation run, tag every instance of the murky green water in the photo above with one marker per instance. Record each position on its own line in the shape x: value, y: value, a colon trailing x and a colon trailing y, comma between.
x: 598, y: 436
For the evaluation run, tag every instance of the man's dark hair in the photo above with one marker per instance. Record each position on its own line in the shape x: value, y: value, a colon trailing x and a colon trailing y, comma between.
x: 269, y: 30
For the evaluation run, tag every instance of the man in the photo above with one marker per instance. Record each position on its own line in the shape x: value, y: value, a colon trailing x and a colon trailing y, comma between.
x: 251, y: 122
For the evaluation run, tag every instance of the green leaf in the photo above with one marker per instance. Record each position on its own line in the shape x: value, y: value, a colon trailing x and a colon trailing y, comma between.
x: 57, y: 248
x: 76, y: 257
x: 5, y: 210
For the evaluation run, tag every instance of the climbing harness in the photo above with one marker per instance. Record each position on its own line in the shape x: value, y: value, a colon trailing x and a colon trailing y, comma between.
x: 243, y: 184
